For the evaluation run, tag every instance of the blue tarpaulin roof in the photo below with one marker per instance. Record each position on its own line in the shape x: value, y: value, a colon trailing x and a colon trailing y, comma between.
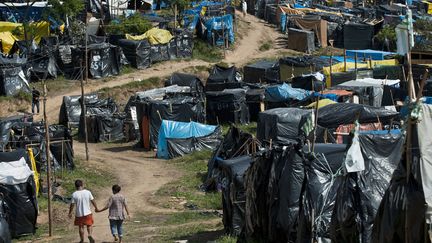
x: 284, y: 92
x: 175, y: 129
x: 373, y: 54
x: 218, y: 23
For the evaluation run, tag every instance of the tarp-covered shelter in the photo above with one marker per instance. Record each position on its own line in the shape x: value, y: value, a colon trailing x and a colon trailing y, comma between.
x: 104, y: 60
x: 227, y: 106
x: 331, y: 116
x: 360, y: 193
x: 282, y: 126
x: 284, y: 93
x: 70, y: 109
x: 137, y: 52
x: 221, y: 78
x: 234, y: 193
x: 180, y: 138
x: 18, y: 188
x: 358, y: 36
x: 13, y: 81
x: 150, y: 114
x: 187, y: 80
x: 217, y: 27
x: 311, y: 23
x: 301, y: 40
x: 261, y: 72
x: 293, y: 66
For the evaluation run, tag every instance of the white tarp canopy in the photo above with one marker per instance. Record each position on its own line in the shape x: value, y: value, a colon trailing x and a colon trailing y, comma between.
x: 14, y: 172
x: 425, y: 143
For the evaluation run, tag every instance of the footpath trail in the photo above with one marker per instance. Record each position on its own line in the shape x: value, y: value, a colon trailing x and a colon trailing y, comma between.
x: 139, y: 173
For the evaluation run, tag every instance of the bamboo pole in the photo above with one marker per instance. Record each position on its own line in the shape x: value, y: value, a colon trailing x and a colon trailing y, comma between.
x: 47, y: 150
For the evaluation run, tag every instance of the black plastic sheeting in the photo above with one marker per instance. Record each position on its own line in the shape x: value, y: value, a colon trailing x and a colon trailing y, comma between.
x: 159, y: 53
x: 234, y: 193
x: 20, y: 199
x: 183, y: 109
x: 307, y: 82
x: 104, y: 60
x: 322, y: 180
x: 137, y: 52
x: 13, y: 81
x: 403, y: 204
x: 222, y: 75
x: 188, y: 80
x: 228, y: 106
x: 70, y: 110
x: 105, y: 128
x: 272, y: 213
x: 360, y: 193
x: 334, y: 115
x: 6, y: 125
x: 282, y: 125
x: 182, y: 146
x: 261, y: 72
x: 230, y: 146
x: 105, y: 125
x: 358, y: 36
x: 5, y: 235
x: 183, y: 43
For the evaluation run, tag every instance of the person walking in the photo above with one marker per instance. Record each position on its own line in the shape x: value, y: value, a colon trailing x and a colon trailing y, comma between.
x: 116, y: 216
x: 35, y: 100
x: 244, y: 8
x: 82, y: 198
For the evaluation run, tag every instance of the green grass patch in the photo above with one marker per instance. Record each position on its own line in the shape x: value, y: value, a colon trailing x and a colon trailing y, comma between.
x: 204, y: 51
x: 266, y: 46
x: 194, y: 169
x: 226, y: 239
x: 57, y: 85
x: 188, y: 216
x: 93, y: 178
x: 250, y: 128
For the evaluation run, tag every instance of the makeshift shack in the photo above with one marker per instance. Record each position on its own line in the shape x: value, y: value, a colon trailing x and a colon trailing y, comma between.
x: 19, y: 191
x: 181, y: 138
x: 136, y: 52
x: 187, y: 80
x: 227, y: 106
x: 261, y: 72
x: 221, y: 78
x: 282, y: 126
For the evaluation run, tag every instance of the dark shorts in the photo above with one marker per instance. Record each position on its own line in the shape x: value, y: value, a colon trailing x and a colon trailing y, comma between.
x: 84, y: 220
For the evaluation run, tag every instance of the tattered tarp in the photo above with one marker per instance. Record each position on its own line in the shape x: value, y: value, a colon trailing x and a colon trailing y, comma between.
x: 222, y: 75
x: 404, y: 201
x: 231, y: 146
x: 360, y: 193
x: 104, y: 60
x: 322, y: 180
x: 70, y: 109
x: 372, y: 54
x: 282, y: 125
x: 105, y: 128
x: 155, y: 36
x: 19, y: 197
x: 136, y: 52
x: 234, y: 193
x: 260, y: 72
x: 216, y: 25
x: 318, y: 26
x: 180, y: 138
x: 187, y: 80
x: 227, y: 106
x: 331, y: 116
x: 284, y: 92
x: 13, y: 81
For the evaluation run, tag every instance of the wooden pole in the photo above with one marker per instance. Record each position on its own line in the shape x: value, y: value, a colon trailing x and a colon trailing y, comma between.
x: 331, y: 71
x: 47, y: 150
x: 345, y: 62
x: 84, y: 112
x: 175, y: 16
x: 86, y: 51
x: 355, y: 64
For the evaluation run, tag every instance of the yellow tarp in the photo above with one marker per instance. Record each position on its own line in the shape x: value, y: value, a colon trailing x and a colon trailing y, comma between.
x: 155, y: 36
x: 321, y: 103
x: 7, y: 40
x: 340, y: 67
x: 34, y: 169
x: 429, y: 9
x: 35, y: 32
x: 302, y: 11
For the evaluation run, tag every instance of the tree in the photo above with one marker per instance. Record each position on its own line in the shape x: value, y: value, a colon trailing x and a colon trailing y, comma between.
x: 60, y: 10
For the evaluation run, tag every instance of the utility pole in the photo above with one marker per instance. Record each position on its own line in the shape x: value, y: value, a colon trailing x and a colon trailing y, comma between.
x: 47, y: 150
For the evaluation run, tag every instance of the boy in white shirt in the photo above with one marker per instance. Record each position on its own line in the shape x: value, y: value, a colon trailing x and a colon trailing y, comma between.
x: 83, y: 214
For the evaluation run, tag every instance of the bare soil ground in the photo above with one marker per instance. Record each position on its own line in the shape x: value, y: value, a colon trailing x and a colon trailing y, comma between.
x: 139, y: 173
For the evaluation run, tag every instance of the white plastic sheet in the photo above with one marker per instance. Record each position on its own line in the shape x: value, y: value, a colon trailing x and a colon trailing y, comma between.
x: 354, y: 161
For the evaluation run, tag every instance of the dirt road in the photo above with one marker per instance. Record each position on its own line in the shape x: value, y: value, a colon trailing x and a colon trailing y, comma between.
x: 138, y: 172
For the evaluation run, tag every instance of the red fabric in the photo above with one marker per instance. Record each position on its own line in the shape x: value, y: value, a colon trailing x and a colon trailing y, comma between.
x: 348, y: 128
x: 84, y: 220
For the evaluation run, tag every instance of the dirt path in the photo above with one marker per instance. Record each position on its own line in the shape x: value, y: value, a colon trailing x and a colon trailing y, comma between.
x: 138, y: 172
